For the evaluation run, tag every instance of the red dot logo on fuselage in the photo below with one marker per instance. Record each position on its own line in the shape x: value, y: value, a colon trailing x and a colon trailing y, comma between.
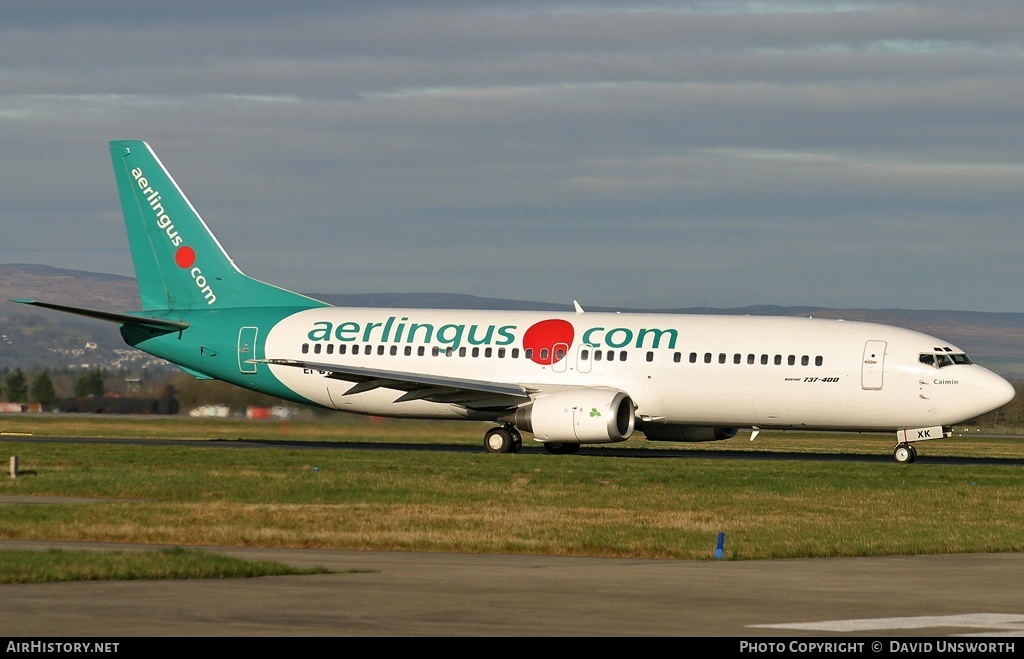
x: 549, y: 340
x: 185, y: 256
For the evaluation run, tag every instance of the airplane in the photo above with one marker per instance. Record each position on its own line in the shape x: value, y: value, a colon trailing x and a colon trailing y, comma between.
x: 570, y: 379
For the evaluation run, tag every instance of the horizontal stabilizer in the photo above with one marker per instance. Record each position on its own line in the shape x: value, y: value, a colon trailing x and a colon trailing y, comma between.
x: 110, y: 317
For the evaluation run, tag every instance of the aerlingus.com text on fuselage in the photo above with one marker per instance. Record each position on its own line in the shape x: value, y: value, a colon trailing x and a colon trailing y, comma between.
x: 538, y: 338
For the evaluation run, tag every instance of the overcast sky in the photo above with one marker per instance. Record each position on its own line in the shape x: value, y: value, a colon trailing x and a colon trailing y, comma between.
x: 657, y: 154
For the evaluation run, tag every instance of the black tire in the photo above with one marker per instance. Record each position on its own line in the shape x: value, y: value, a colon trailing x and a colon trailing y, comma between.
x: 561, y: 448
x: 904, y: 453
x: 498, y: 440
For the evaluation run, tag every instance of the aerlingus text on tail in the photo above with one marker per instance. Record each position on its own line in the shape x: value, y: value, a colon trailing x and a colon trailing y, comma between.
x: 184, y: 256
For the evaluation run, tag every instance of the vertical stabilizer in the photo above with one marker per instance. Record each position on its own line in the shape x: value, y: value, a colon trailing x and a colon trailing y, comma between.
x: 179, y: 264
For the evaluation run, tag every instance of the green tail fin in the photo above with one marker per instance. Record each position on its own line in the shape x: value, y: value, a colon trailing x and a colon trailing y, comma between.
x: 179, y: 264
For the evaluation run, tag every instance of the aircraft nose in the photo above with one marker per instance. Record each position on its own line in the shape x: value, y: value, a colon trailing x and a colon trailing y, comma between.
x: 992, y: 392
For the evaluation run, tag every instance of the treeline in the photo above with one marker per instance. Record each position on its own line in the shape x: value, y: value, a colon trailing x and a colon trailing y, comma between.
x: 101, y: 390
x: 84, y: 392
x: 46, y: 387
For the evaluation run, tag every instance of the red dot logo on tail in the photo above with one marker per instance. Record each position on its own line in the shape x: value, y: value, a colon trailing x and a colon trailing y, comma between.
x: 185, y: 256
x: 543, y: 337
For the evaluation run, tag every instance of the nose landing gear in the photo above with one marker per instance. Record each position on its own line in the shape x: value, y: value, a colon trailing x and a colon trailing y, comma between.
x: 904, y: 453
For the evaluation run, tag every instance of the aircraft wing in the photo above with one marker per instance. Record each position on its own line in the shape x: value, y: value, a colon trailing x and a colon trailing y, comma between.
x: 476, y: 394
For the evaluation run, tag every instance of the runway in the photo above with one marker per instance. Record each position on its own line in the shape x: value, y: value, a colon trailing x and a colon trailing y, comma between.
x: 883, y: 456
x: 414, y: 594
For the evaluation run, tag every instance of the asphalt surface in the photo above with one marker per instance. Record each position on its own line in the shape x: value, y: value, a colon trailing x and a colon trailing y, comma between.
x: 415, y: 594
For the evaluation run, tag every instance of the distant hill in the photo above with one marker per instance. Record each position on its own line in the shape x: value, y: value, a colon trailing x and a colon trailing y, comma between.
x: 60, y: 286
x: 30, y: 336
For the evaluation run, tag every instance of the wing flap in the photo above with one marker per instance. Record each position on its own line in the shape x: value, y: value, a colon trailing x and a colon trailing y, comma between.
x: 418, y: 386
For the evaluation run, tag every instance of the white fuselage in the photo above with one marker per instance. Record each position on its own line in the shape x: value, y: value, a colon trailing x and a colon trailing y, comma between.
x: 692, y: 370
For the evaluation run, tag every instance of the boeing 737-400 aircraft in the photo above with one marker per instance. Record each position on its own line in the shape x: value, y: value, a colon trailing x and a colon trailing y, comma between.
x: 569, y: 378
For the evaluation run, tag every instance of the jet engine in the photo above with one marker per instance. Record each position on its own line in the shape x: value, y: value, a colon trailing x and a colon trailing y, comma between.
x: 584, y: 416
x: 670, y: 433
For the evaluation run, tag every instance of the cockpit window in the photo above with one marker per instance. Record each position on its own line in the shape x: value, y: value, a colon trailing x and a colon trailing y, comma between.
x: 943, y: 359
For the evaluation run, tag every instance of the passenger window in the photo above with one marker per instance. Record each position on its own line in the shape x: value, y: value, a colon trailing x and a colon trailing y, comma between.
x: 751, y: 358
x: 559, y: 353
x: 462, y: 351
x: 355, y: 350
x: 677, y: 357
x: 584, y: 355
x: 650, y: 356
x: 622, y: 355
x: 791, y: 360
x: 528, y: 353
x: 435, y: 351
x: 543, y: 354
x: 764, y: 360
x: 330, y: 348
x: 342, y: 349
x: 420, y: 351
x: 721, y: 358
x: 737, y: 358
x: 408, y: 351
x: 693, y: 358
x: 449, y: 351
x: 597, y: 355
x: 501, y: 353
x: 818, y: 361
x: 805, y: 360
x: 305, y: 348
x: 476, y: 352
x: 380, y: 350
x: 778, y: 360
x: 394, y: 350
x: 317, y: 348
x: 610, y: 355
x: 487, y: 352
x: 707, y: 357
x: 515, y: 353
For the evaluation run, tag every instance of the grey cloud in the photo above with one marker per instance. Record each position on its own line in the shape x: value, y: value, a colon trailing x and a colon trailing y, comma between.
x: 734, y: 153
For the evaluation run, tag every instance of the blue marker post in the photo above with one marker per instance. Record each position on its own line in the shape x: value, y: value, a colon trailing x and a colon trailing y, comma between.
x: 721, y: 545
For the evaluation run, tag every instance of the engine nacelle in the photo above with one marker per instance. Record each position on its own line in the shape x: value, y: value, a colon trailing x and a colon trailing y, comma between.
x: 584, y: 416
x: 669, y: 433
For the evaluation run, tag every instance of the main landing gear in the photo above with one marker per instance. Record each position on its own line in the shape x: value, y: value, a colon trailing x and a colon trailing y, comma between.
x: 904, y: 453
x: 561, y: 448
x: 506, y: 439
x: 503, y: 439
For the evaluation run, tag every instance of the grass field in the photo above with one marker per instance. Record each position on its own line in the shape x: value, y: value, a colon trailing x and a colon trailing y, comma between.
x: 525, y: 503
x: 173, y: 563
